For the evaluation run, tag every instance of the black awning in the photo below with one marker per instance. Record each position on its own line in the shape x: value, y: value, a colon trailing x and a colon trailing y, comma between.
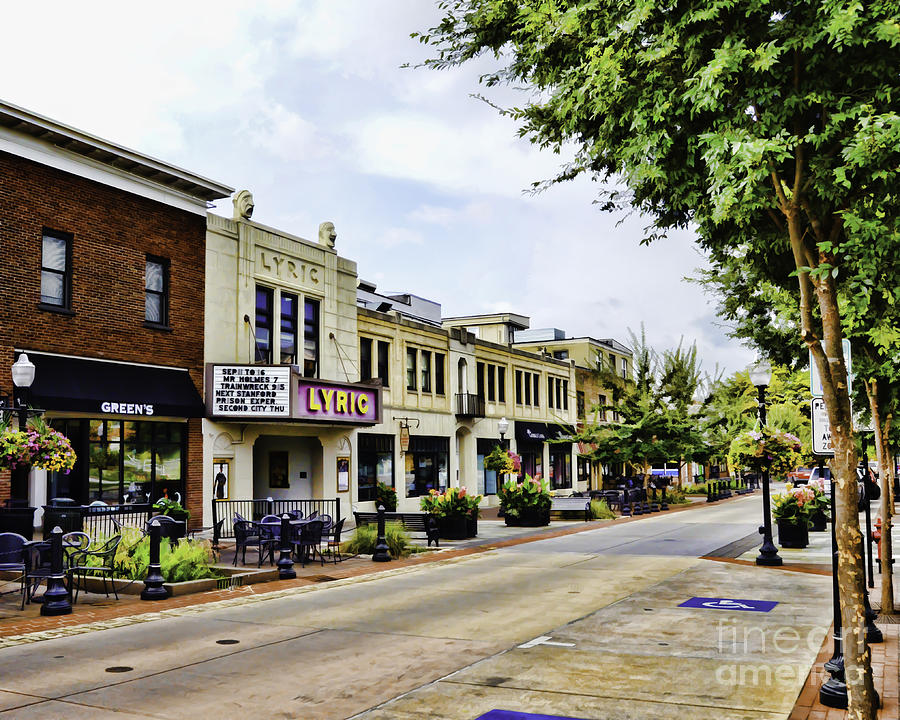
x: 538, y: 432
x: 104, y: 387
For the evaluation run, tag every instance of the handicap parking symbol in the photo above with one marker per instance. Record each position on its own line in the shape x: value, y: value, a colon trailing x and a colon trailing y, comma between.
x: 729, y: 604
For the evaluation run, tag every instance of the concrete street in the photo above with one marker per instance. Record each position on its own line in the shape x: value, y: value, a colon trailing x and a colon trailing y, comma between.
x: 585, y: 626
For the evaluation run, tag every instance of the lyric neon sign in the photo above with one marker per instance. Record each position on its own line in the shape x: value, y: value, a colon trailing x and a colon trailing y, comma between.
x: 337, y: 403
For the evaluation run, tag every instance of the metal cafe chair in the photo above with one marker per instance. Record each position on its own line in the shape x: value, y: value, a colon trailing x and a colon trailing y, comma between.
x: 79, y: 569
x: 12, y: 559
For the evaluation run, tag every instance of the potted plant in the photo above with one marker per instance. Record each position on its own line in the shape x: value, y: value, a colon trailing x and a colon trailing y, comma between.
x: 525, y: 503
x: 821, y: 505
x: 387, y: 496
x: 455, y: 511
x: 791, y: 511
x: 174, y: 510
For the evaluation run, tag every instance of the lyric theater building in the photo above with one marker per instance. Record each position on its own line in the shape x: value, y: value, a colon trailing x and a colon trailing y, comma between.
x: 283, y: 401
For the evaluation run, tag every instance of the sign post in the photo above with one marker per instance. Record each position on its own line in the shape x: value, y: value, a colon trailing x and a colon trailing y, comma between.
x: 821, y: 428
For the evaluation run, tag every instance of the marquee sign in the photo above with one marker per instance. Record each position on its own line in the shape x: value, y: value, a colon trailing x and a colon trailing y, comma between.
x: 249, y: 391
x: 323, y: 401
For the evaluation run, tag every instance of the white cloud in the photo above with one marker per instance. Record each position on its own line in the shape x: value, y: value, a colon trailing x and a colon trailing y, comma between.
x: 283, y: 133
x: 481, y: 156
x: 396, y: 236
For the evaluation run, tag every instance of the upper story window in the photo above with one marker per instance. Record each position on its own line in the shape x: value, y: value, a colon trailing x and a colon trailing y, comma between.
x: 501, y: 384
x: 56, y: 269
x: 439, y: 373
x: 310, y: 338
x: 263, y: 325
x: 411, y: 354
x: 612, y: 361
x: 479, y: 378
x: 383, y: 367
x: 601, y: 401
x: 365, y: 359
x: 491, y: 382
x: 426, y: 371
x: 156, y: 289
x: 288, y: 329
x: 558, y: 390
x: 579, y: 400
x: 561, y: 354
x: 624, y: 368
x: 536, y: 384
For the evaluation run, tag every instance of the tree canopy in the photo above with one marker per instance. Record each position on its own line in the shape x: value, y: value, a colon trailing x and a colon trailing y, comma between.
x: 769, y: 128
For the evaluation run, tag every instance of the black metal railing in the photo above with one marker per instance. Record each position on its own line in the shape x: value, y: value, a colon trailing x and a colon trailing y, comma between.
x: 469, y: 405
x: 96, y: 520
x: 225, y: 510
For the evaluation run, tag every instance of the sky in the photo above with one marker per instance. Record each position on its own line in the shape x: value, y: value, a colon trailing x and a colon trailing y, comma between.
x: 306, y: 104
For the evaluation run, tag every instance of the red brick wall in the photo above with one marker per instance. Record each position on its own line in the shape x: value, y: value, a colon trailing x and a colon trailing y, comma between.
x: 113, y: 232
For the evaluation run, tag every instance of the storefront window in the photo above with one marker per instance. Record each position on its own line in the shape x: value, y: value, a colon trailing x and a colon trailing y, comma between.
x: 560, y: 469
x: 426, y: 465
x: 532, y: 460
x: 376, y: 463
x: 131, y: 462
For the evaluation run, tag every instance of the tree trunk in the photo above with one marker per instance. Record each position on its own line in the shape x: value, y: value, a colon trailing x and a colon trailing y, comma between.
x: 851, y: 571
x: 882, y: 430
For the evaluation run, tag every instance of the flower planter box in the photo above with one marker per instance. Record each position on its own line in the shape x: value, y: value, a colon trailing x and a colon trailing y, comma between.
x: 472, y: 525
x: 534, y: 518
x: 454, y: 527
x: 792, y: 535
x: 819, y: 522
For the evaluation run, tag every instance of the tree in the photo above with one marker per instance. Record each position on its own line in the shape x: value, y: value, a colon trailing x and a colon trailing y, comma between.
x: 769, y: 128
x: 656, y: 422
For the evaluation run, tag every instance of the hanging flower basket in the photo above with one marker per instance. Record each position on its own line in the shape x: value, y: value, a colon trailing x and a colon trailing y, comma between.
x: 777, y: 450
x: 40, y: 447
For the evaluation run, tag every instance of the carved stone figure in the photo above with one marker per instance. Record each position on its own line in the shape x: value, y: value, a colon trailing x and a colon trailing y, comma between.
x: 243, y: 205
x: 327, y: 234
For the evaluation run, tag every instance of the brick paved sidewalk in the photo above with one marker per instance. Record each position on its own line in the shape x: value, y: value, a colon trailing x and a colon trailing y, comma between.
x: 885, y: 669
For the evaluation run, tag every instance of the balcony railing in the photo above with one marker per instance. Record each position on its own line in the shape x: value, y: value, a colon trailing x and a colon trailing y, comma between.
x: 469, y: 405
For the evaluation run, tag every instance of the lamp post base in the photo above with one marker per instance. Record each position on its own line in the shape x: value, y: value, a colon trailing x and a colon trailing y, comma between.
x: 768, y: 553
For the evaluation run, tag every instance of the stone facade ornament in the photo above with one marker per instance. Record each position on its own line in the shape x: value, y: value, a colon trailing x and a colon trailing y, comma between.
x: 243, y: 205
x: 327, y: 234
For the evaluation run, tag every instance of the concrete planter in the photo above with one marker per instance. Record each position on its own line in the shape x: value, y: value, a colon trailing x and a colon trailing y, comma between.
x: 234, y: 577
x: 793, y: 535
x: 530, y: 518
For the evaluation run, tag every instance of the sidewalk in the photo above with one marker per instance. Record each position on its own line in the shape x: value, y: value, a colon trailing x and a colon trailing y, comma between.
x: 96, y: 611
x: 816, y: 558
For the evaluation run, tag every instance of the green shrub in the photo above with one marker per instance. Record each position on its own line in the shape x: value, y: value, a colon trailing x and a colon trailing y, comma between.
x: 600, y: 510
x: 188, y: 560
x: 677, y: 496
x: 365, y: 537
x: 693, y: 489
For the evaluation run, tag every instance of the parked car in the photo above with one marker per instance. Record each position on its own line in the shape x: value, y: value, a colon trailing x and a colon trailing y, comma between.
x: 800, y: 476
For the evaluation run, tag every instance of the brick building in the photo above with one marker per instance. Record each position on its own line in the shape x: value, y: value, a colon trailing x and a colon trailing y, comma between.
x: 102, y: 275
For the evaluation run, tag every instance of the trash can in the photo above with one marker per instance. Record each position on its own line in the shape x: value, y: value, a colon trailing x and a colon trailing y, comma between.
x: 18, y: 520
x: 67, y: 517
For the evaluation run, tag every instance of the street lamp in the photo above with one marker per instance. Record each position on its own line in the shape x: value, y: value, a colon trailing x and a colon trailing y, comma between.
x: 22, y: 376
x: 760, y: 376
x: 503, y: 427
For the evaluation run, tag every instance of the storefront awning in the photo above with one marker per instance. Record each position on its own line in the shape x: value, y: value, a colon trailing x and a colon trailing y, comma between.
x: 538, y: 432
x: 99, y: 386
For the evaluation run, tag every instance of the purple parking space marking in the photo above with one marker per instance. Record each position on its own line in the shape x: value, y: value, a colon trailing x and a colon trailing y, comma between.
x: 729, y: 604
x: 514, y: 715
